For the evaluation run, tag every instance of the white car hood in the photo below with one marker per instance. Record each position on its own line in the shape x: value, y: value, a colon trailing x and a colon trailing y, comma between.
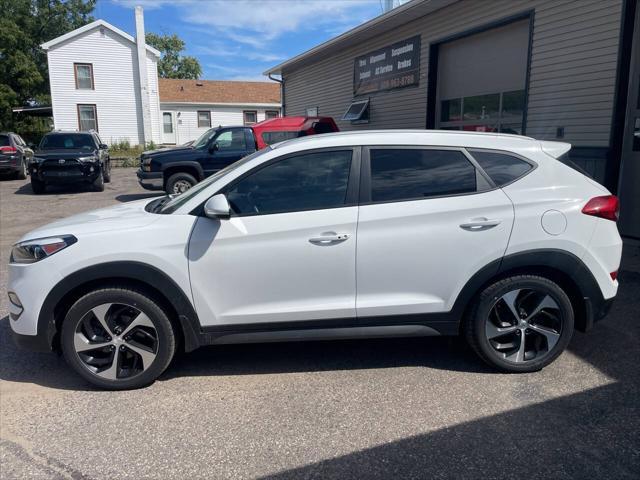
x: 119, y: 217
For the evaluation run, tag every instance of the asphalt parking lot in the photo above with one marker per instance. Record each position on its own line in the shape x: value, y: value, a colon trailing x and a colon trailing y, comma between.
x: 419, y: 408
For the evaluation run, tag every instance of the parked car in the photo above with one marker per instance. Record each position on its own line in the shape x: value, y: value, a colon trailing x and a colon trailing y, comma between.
x: 349, y: 235
x: 15, y: 155
x: 70, y: 158
x: 177, y: 169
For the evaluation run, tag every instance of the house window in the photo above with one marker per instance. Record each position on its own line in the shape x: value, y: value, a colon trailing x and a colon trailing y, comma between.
x: 84, y: 76
x: 87, y: 118
x: 250, y: 117
x: 271, y: 114
x: 204, y: 119
x: 167, y: 122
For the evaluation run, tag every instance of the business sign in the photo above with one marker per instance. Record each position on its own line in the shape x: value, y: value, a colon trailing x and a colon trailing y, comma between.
x: 395, y: 66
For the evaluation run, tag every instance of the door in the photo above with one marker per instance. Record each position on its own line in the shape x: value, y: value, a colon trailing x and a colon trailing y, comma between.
x: 168, y: 128
x: 227, y: 147
x: 630, y: 168
x: 287, y: 253
x: 427, y: 222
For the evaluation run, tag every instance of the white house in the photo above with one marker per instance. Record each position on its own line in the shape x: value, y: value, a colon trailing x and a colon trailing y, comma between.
x: 97, y: 82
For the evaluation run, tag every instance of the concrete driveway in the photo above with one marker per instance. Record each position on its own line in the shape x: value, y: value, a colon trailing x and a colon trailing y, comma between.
x: 419, y: 408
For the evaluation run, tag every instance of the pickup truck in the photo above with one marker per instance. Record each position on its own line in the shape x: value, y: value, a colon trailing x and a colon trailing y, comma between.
x: 177, y: 169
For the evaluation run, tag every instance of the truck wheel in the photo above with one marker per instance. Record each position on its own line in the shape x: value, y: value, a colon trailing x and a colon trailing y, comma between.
x: 179, y: 183
x: 37, y: 186
x: 98, y: 183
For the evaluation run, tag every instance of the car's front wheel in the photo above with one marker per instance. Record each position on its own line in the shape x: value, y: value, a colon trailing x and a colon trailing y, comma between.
x: 117, y: 338
x: 98, y: 183
x: 520, y: 324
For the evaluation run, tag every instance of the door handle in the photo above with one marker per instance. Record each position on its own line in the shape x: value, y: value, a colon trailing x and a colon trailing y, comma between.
x: 329, y: 238
x: 479, y: 224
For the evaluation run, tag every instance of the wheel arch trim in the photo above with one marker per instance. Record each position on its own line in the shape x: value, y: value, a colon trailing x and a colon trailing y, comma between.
x: 121, y: 270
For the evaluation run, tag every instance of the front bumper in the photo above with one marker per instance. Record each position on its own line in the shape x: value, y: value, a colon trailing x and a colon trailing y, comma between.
x: 150, y: 180
x: 35, y: 343
x: 69, y: 172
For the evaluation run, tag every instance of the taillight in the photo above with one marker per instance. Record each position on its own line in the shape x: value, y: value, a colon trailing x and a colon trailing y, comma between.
x: 606, y: 206
x: 8, y: 149
x: 614, y: 275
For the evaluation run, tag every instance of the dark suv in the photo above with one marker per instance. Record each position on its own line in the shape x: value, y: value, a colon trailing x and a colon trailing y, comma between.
x: 15, y: 155
x: 70, y: 158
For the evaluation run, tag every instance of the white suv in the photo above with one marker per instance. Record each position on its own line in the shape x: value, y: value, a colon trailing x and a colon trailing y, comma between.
x: 368, y: 234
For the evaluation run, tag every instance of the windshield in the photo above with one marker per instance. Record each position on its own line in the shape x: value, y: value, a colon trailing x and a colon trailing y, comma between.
x: 204, y: 138
x: 176, y: 202
x: 72, y: 141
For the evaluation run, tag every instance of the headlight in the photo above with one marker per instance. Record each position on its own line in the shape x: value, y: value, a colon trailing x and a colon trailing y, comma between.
x: 87, y: 159
x: 32, y: 251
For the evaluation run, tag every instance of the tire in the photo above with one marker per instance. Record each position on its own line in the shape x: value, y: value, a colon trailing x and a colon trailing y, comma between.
x: 136, y: 332
x: 179, y: 183
x: 107, y: 172
x: 98, y: 183
x: 545, y: 321
x: 37, y: 186
x: 22, y: 173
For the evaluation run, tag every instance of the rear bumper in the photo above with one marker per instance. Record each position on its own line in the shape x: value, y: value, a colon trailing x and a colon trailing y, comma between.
x: 10, y: 164
x: 150, y: 180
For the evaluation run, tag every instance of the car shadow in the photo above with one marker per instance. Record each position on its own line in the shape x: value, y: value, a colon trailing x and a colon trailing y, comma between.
x: 130, y: 197
x: 26, y: 189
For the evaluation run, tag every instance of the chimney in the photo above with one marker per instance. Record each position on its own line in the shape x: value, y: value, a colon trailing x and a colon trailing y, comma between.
x: 142, y: 76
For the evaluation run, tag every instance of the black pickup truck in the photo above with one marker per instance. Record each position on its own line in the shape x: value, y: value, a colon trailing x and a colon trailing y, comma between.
x: 177, y: 169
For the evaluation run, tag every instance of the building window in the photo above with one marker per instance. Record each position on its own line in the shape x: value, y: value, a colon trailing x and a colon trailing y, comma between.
x: 204, y: 119
x: 271, y: 114
x: 84, y: 76
x: 250, y: 117
x: 167, y: 122
x: 495, y: 112
x: 87, y: 118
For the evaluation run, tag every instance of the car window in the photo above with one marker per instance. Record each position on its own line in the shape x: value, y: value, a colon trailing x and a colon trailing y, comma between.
x: 502, y: 168
x: 203, y: 140
x: 5, y: 141
x: 231, y: 140
x: 71, y: 141
x: 310, y: 181
x: 280, y: 136
x: 409, y: 174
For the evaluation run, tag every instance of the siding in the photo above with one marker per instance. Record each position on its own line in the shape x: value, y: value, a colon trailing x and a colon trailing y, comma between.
x: 572, y: 76
x: 187, y: 128
x: 117, y: 87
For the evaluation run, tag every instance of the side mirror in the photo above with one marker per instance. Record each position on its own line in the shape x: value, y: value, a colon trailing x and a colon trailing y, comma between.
x: 103, y: 146
x: 217, y: 207
x: 214, y: 146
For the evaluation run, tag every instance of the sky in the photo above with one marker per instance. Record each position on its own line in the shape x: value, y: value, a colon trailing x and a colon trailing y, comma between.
x: 240, y: 39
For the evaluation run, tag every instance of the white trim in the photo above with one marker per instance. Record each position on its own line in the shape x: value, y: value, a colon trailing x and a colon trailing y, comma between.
x: 219, y: 104
x: 91, y: 26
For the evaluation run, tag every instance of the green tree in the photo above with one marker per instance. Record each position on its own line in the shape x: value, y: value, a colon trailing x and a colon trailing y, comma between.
x: 24, y: 25
x: 173, y: 64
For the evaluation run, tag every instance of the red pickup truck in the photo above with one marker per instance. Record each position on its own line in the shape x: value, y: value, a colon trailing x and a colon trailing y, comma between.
x: 280, y: 129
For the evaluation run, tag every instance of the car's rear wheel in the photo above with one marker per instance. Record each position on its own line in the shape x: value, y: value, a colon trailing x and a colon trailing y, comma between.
x: 37, y: 186
x: 520, y: 324
x: 22, y: 173
x: 179, y: 183
x: 98, y: 183
x: 117, y: 338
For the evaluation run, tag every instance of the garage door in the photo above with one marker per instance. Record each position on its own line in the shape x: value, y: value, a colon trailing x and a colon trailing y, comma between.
x: 481, y: 80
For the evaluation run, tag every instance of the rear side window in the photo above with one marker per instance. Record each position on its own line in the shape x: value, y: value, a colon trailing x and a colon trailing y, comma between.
x: 410, y: 174
x: 279, y: 136
x: 502, y: 168
x: 312, y: 181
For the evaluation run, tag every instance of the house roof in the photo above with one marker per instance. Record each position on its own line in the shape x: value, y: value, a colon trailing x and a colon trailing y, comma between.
x: 91, y: 26
x: 374, y: 27
x: 218, y: 91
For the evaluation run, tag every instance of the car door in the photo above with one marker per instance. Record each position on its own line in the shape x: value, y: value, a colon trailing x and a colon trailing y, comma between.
x: 227, y: 147
x: 428, y: 220
x: 287, y: 253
